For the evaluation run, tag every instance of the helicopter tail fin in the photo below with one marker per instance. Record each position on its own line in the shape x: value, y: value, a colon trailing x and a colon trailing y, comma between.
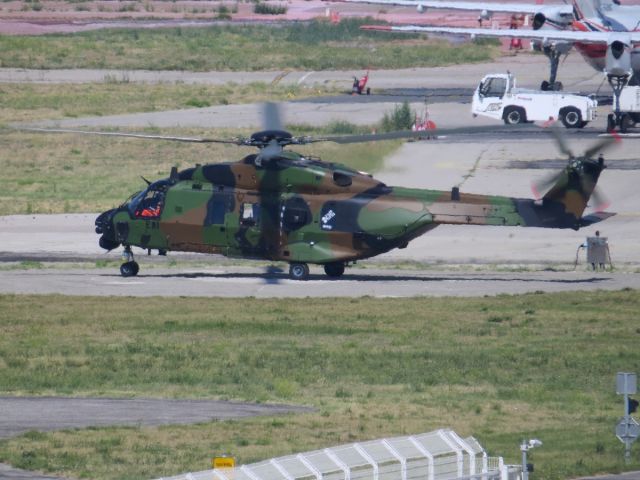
x: 565, y: 202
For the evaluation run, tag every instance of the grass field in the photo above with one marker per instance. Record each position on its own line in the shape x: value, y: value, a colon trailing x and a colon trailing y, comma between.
x: 25, y: 102
x: 502, y: 369
x: 316, y: 46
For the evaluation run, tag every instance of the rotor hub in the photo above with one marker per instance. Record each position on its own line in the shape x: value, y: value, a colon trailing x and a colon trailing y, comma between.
x: 265, y: 137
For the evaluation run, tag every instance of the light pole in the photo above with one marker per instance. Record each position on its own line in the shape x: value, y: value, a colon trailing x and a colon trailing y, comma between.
x: 525, y: 446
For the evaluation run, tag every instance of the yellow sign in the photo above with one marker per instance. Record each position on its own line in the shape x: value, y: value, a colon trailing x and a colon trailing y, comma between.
x: 223, y: 462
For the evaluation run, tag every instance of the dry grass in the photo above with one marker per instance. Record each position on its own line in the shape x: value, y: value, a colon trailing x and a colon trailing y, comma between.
x: 51, y: 173
x: 30, y: 102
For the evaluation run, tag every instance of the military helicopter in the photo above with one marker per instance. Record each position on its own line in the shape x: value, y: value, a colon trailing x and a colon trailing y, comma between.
x: 279, y: 205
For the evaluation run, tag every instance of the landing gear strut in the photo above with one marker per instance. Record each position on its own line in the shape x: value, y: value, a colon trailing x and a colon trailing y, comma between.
x: 617, y: 118
x: 130, y: 267
x: 554, y: 59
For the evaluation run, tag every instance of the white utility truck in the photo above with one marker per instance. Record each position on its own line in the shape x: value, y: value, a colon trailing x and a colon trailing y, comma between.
x: 498, y: 97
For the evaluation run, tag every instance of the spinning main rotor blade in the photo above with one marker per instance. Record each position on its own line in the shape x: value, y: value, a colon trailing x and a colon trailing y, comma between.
x: 437, y: 132
x: 561, y: 141
x: 601, y: 146
x: 134, y: 135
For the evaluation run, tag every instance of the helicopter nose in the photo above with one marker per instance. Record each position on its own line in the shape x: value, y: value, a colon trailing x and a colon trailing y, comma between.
x: 104, y: 226
x: 103, y: 222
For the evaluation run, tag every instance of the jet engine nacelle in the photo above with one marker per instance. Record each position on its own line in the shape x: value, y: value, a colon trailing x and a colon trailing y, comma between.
x: 552, y: 18
x: 618, y: 58
x: 421, y: 8
x: 485, y: 15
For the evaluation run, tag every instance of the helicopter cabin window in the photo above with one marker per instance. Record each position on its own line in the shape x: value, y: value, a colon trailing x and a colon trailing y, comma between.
x: 342, y: 179
x: 150, y: 205
x: 493, y: 87
x: 295, y: 214
x: 250, y: 214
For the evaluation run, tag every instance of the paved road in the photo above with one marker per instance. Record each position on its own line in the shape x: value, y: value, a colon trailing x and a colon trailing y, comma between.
x: 22, y: 414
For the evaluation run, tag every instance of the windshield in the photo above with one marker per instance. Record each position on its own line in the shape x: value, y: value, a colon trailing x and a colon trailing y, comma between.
x: 149, y: 202
x: 123, y: 204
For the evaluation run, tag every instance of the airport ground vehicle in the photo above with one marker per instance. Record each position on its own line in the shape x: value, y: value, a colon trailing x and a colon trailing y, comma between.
x: 629, y: 110
x: 498, y: 97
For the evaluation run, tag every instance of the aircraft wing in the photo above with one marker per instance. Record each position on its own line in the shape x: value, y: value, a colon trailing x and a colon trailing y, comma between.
x: 541, y: 35
x: 452, y: 5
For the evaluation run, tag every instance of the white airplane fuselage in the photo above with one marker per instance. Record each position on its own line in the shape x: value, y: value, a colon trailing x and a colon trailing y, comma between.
x: 604, y: 16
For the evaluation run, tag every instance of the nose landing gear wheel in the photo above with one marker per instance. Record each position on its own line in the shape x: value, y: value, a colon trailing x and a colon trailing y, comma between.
x: 299, y: 271
x: 129, y: 269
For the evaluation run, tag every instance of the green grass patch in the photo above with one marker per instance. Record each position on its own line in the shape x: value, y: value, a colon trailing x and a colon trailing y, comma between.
x: 371, y: 368
x: 25, y: 102
x: 64, y: 173
x: 318, y: 45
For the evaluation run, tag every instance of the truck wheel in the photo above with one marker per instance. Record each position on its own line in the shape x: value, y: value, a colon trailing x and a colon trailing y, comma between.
x: 571, y: 117
x: 514, y: 115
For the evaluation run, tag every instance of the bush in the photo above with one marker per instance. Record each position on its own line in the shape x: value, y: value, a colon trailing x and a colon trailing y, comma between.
x: 401, y: 118
x: 266, y: 9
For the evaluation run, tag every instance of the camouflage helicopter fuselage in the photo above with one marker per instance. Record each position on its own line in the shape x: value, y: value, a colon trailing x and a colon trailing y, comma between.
x: 302, y: 211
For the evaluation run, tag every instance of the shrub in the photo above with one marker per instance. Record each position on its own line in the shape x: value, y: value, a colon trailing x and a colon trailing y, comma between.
x: 401, y: 118
x: 266, y: 9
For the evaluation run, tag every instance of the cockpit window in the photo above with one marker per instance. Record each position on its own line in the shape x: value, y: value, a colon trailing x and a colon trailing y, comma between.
x: 149, y: 203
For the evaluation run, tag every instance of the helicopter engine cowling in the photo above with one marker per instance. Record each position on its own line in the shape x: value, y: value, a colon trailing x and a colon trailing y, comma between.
x: 618, y: 57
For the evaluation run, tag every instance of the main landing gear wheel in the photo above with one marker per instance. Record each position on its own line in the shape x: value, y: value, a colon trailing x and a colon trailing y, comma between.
x: 299, y: 271
x: 129, y: 269
x: 334, y: 270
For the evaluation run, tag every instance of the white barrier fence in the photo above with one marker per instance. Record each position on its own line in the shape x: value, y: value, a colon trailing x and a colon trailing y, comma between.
x: 438, y: 455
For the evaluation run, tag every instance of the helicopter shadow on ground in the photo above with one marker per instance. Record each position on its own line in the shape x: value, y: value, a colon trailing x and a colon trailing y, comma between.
x: 277, y: 275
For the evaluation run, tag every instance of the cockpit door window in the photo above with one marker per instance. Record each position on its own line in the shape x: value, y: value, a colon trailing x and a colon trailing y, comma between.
x: 151, y: 204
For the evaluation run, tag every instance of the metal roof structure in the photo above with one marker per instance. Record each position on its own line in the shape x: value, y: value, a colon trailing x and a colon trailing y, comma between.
x: 438, y: 455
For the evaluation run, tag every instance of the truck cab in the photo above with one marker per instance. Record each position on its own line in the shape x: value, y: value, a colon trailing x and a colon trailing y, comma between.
x: 498, y: 97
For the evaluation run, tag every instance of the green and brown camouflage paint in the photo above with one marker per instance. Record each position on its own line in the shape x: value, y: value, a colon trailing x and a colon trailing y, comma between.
x: 303, y: 210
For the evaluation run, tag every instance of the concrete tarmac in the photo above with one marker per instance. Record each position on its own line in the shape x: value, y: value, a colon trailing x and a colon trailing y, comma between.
x: 233, y: 281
